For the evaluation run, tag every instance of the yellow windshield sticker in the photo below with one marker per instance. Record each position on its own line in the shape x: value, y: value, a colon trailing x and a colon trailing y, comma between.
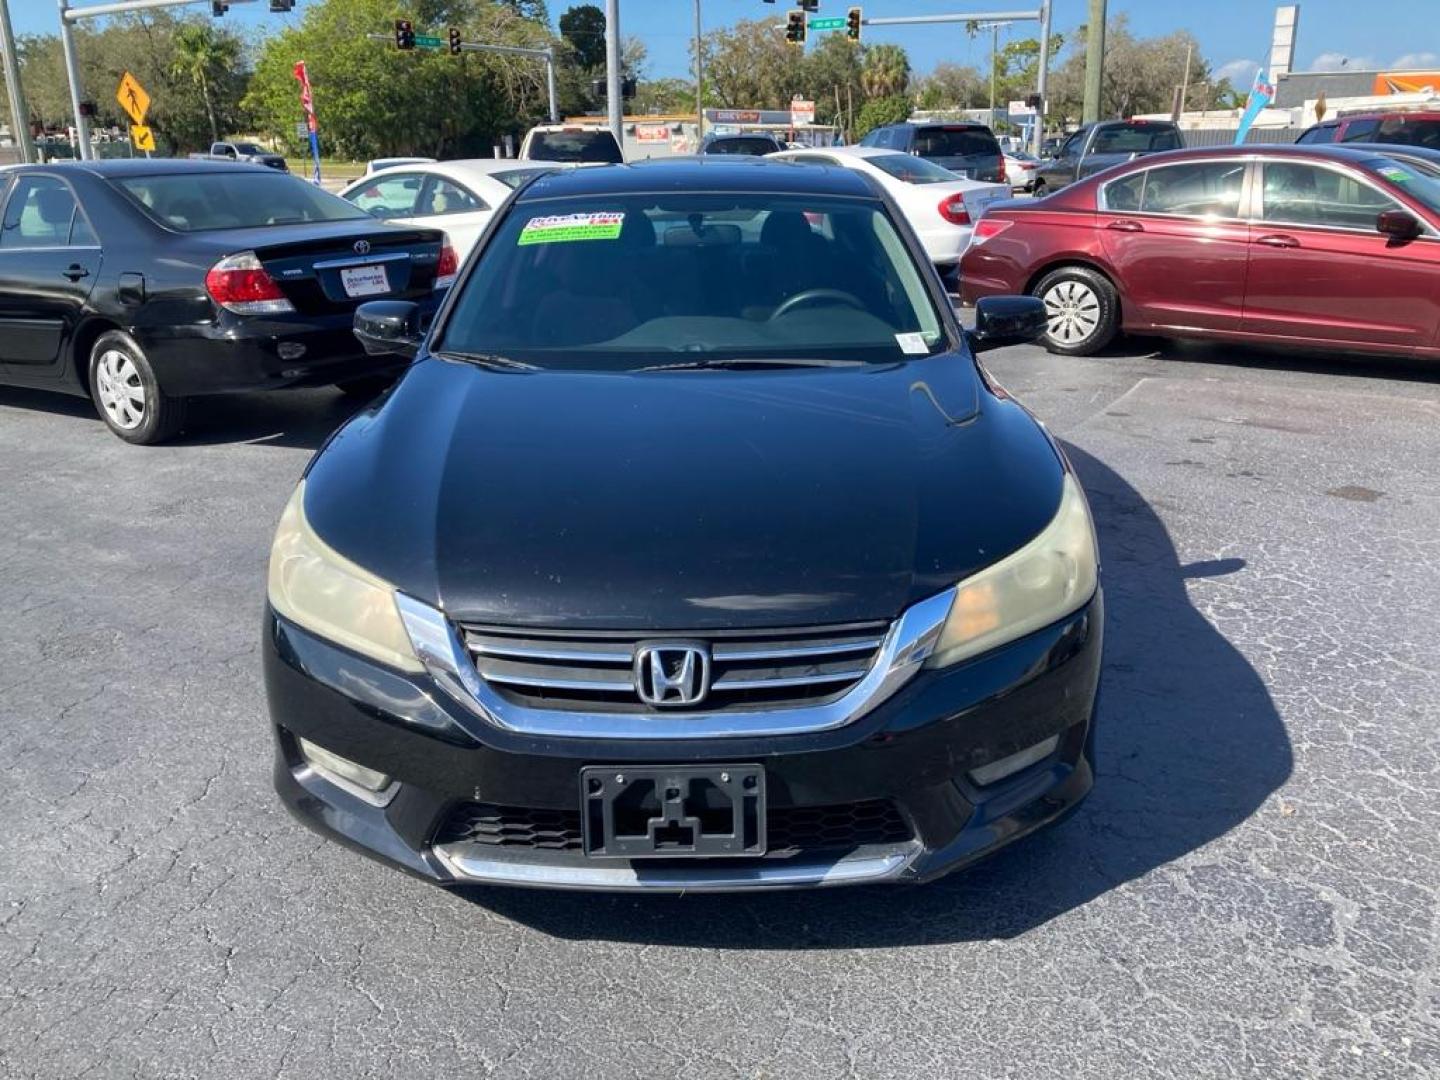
x: 568, y: 228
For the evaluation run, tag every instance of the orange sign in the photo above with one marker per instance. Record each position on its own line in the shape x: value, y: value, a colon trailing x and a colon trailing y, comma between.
x: 1407, y: 82
x: 133, y: 98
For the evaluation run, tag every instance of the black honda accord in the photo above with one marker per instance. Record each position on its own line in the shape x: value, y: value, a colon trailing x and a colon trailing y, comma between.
x: 694, y: 551
x: 143, y: 283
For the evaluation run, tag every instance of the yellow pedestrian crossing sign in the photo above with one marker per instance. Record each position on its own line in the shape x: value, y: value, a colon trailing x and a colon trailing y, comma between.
x: 142, y: 137
x: 133, y: 98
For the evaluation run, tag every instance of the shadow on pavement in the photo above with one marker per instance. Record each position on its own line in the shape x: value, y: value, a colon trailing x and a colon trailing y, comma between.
x: 1276, y: 358
x: 1190, y: 745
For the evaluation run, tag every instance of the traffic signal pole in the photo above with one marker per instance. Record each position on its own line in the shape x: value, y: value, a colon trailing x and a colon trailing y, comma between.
x: 614, y: 101
x: 547, y: 54
x: 1095, y: 61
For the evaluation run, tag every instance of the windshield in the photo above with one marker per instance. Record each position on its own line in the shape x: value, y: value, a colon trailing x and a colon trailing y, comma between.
x: 1412, y: 178
x: 1135, y: 139
x: 585, y: 146
x: 753, y: 146
x: 513, y: 178
x: 955, y: 142
x: 247, y: 148
x: 645, y: 281
x: 199, y: 202
x: 912, y: 169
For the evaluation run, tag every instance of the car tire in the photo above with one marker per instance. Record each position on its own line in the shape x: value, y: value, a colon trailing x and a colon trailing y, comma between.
x: 365, y: 387
x: 127, y: 393
x: 1084, y: 310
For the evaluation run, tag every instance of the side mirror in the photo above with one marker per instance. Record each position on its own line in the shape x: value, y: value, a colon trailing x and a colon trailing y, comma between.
x: 1400, y: 224
x: 1008, y: 320
x: 389, y: 327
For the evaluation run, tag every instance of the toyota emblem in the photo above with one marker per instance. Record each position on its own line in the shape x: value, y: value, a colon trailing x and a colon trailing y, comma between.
x: 362, y: 247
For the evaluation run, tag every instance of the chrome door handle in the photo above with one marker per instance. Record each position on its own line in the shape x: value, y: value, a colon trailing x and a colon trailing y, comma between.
x: 1278, y: 240
x: 1126, y: 226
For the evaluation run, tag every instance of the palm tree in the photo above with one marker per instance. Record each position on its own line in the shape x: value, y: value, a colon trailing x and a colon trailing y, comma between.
x: 199, y: 54
x: 886, y: 72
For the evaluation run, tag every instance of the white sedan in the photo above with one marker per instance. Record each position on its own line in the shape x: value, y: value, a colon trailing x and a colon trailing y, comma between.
x: 457, y: 196
x: 941, y: 208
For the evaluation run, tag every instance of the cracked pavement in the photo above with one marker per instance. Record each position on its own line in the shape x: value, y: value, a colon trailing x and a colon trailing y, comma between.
x: 1251, y: 890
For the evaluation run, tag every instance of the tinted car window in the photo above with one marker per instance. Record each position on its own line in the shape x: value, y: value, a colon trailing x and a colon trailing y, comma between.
x: 390, y: 196
x: 1307, y: 195
x: 1323, y: 133
x: 1360, y: 131
x: 911, y: 169
x: 954, y: 142
x: 752, y: 146
x: 1207, y: 189
x: 658, y: 281
x: 1137, y: 139
x: 200, y: 202
x: 39, y: 213
x: 585, y: 146
x: 513, y: 178
x: 1400, y: 129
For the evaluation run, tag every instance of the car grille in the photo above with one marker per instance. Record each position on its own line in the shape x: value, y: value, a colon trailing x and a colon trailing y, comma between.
x: 790, y: 829
x: 749, y: 670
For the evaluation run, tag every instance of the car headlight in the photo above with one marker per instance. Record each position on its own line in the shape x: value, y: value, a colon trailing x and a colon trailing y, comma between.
x: 316, y: 587
x: 1047, y: 579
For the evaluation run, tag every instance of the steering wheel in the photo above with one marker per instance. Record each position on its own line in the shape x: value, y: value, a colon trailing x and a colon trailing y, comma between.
x: 810, y: 296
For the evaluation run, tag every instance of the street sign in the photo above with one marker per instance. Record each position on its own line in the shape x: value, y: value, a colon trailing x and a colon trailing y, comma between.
x: 133, y: 98
x: 142, y: 137
x: 802, y: 112
x: 425, y: 41
x: 827, y: 24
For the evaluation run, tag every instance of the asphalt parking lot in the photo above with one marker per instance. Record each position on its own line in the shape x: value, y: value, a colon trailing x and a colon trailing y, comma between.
x: 1251, y: 890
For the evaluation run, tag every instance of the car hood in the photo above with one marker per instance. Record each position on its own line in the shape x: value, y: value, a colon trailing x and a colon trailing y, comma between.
x: 683, y: 500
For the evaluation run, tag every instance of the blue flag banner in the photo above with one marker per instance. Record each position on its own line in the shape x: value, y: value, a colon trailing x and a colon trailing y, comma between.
x: 1262, y: 92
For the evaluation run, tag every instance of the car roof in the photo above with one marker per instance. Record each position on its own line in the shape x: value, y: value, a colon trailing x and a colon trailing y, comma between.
x: 153, y: 167
x: 1395, y: 149
x: 720, y: 174
x: 457, y: 169
x: 1388, y: 114
x: 1331, y: 151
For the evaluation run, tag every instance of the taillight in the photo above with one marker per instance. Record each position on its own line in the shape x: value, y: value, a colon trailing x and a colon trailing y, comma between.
x: 447, y: 268
x: 952, y: 209
x: 987, y: 227
x: 240, y: 284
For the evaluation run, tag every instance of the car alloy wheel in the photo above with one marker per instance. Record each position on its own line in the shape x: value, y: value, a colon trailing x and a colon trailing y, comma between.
x: 121, y: 390
x: 1074, y: 312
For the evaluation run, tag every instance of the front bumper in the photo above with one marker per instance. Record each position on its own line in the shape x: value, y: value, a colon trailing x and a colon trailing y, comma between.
x: 917, y: 751
x: 236, y: 353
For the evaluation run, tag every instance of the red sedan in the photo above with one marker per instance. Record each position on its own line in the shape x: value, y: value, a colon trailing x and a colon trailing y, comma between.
x: 1312, y: 246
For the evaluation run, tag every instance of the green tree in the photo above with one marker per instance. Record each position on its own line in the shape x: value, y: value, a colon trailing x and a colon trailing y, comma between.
x: 951, y: 86
x: 830, y: 76
x: 878, y: 112
x: 583, y: 26
x: 885, y: 72
x: 750, y: 66
x: 202, y: 55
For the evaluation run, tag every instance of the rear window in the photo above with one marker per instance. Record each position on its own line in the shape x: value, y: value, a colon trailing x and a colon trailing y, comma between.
x: 1324, y: 133
x: 754, y: 146
x: 911, y: 169
x: 1395, y: 129
x: 955, y: 142
x: 586, y: 146
x: 1135, y: 139
x: 200, y: 202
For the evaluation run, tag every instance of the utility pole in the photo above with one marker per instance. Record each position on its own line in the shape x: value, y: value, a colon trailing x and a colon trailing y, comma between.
x: 699, y: 80
x: 614, y: 102
x: 1185, y: 85
x: 1094, y: 61
x: 19, y: 114
x: 1043, y: 79
x: 72, y: 69
x: 994, y: 62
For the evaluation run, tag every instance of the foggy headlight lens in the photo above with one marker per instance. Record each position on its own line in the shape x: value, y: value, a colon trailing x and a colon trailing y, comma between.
x: 316, y: 587
x: 1047, y: 579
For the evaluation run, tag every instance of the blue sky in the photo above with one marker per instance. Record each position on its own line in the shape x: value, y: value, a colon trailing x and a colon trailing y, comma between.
x: 1233, y: 34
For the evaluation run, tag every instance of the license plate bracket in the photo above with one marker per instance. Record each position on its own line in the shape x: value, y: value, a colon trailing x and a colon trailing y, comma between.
x: 673, y: 812
x: 365, y: 280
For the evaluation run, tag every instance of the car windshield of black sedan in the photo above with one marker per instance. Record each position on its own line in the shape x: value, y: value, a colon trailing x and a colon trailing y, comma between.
x: 202, y: 201
x: 678, y: 281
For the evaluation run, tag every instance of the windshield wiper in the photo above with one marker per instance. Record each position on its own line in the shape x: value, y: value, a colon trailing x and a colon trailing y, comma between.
x: 734, y: 362
x: 490, y: 360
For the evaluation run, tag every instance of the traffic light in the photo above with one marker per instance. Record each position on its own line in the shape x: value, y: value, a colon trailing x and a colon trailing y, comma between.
x: 852, y: 24
x: 795, y: 28
x: 218, y: 9
x: 281, y: 7
x: 455, y: 49
x: 404, y: 34
x: 810, y: 5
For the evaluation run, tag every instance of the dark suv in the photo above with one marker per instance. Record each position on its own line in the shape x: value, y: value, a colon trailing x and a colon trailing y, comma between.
x: 1411, y: 129
x: 968, y: 150
x: 1098, y: 146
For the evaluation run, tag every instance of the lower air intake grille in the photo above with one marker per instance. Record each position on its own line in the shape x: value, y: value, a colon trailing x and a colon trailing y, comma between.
x: 748, y: 670
x: 791, y: 829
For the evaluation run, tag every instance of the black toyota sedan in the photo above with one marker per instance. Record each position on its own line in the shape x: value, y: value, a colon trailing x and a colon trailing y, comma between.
x: 695, y: 551
x: 141, y: 283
